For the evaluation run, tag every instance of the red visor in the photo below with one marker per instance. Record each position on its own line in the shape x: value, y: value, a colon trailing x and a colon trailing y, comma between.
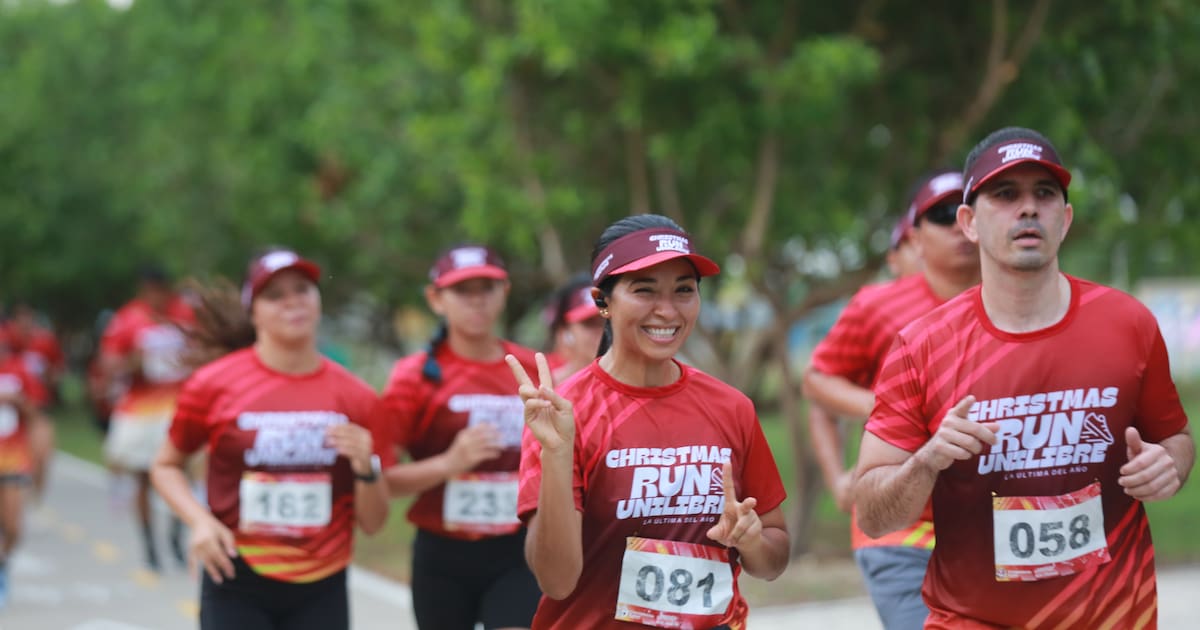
x: 1009, y: 154
x: 464, y: 263
x: 580, y: 306
x: 646, y: 248
x: 263, y: 268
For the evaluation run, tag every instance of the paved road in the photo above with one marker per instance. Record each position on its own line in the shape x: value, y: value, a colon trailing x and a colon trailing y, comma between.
x: 79, y: 568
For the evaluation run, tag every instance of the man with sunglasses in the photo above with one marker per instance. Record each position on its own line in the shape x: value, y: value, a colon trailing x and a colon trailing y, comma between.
x: 845, y: 366
x: 1038, y: 413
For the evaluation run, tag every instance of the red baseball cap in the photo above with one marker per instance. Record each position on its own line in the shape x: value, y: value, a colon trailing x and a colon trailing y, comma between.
x: 1007, y: 154
x: 902, y: 229
x: 264, y: 267
x: 466, y: 262
x: 646, y: 248
x: 939, y: 188
x: 580, y: 306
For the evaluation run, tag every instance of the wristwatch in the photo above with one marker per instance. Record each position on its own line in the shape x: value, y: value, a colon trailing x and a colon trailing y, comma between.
x: 376, y: 471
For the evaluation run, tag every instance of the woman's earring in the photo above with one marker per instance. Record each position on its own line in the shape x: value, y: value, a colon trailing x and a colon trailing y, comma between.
x: 604, y: 312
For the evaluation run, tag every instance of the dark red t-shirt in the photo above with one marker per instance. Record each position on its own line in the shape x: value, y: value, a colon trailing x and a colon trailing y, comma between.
x: 424, y: 417
x: 1063, y: 397
x: 272, y: 479
x: 160, y: 341
x: 637, y: 452
x: 39, y: 349
x: 15, y: 456
x: 855, y: 348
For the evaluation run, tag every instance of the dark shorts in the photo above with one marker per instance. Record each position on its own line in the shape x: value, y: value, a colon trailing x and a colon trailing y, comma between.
x: 457, y: 583
x: 251, y: 601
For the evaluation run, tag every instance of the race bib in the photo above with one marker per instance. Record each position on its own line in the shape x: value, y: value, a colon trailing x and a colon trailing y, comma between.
x: 10, y: 419
x: 35, y: 363
x: 162, y: 348
x: 285, y: 504
x: 482, y: 503
x: 668, y: 584
x: 1036, y: 538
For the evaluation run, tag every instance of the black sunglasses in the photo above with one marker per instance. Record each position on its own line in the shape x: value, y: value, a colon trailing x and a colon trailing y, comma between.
x: 941, y: 214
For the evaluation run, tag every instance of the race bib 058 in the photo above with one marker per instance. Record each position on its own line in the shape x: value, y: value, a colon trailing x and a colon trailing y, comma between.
x: 1036, y: 538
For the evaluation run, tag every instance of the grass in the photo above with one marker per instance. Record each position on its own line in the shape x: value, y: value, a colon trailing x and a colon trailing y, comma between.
x: 826, y: 573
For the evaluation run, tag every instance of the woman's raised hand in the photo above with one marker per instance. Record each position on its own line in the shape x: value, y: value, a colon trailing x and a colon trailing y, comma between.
x: 549, y: 416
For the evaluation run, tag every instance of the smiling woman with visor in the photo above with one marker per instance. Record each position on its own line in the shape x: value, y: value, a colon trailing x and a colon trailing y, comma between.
x: 631, y: 473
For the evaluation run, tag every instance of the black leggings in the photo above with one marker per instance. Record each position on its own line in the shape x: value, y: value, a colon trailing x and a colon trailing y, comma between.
x: 456, y: 583
x: 254, y: 602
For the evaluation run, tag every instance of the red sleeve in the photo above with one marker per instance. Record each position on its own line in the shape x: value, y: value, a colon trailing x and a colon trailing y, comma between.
x: 844, y: 351
x: 759, y: 473
x: 50, y: 348
x: 898, y: 416
x: 1159, y: 413
x: 531, y: 476
x: 118, y: 338
x: 189, y: 427
x: 34, y: 390
x: 403, y: 400
x: 380, y: 433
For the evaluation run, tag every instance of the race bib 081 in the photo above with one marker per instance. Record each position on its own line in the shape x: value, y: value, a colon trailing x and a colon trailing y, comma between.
x: 285, y: 504
x: 483, y: 503
x: 1036, y: 538
x: 670, y: 584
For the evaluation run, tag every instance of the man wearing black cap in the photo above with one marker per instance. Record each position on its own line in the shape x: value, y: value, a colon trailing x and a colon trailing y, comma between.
x: 1037, y: 410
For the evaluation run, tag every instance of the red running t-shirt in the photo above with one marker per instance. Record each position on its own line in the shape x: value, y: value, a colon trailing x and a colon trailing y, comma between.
x: 855, y: 348
x: 1035, y: 532
x: 272, y: 479
x: 160, y: 340
x: 15, y: 379
x: 39, y: 350
x: 648, y: 464
x: 424, y: 417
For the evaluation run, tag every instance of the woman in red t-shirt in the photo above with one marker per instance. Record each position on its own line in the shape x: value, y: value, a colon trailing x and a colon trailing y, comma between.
x: 21, y: 399
x: 631, y: 472
x: 293, y: 456
x: 453, y: 409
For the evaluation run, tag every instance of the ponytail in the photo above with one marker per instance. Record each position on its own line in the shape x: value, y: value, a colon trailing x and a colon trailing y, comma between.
x: 222, y: 323
x: 431, y: 371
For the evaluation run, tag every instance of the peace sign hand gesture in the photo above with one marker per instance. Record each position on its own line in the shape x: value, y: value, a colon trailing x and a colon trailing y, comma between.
x: 739, y: 525
x: 550, y: 417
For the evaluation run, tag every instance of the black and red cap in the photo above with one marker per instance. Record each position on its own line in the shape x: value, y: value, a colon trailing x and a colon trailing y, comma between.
x: 940, y: 188
x: 466, y: 262
x: 902, y: 230
x: 1009, y: 153
x: 646, y: 248
x: 264, y: 267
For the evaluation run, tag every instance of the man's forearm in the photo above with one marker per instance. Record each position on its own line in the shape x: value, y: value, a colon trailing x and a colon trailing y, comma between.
x: 837, y: 394
x: 889, y: 498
